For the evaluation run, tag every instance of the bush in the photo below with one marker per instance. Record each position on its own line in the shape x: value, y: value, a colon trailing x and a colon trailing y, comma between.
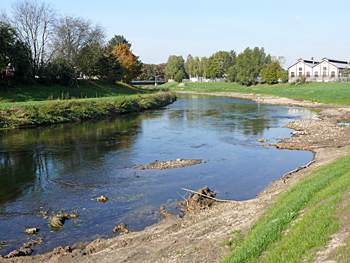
x: 179, y: 76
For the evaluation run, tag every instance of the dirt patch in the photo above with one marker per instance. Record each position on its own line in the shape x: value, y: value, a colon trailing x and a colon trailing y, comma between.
x: 197, y: 236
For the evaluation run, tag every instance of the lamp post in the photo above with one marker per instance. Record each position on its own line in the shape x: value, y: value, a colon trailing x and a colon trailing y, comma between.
x: 155, y: 83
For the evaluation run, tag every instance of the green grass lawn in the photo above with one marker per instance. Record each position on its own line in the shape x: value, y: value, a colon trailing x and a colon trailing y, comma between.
x: 338, y: 93
x: 87, y: 89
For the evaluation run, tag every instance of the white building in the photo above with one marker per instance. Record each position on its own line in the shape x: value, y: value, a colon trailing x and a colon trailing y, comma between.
x: 325, y: 70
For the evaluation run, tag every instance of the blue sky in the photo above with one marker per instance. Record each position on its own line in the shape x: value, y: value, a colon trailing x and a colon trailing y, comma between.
x: 157, y: 29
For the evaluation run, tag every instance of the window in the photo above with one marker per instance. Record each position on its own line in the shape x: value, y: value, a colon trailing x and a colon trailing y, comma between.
x: 300, y: 69
x: 316, y: 74
x: 333, y: 74
x: 300, y: 74
x: 324, y: 74
x: 308, y: 74
x: 324, y: 68
x: 292, y: 74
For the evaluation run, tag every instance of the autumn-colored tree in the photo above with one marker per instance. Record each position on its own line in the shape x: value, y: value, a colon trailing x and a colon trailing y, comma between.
x: 130, y: 65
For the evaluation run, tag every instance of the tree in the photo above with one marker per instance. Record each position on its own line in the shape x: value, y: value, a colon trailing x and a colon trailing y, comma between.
x: 190, y: 66
x: 149, y: 71
x: 179, y: 76
x: 249, y: 64
x: 131, y: 67
x: 271, y: 73
x: 108, y: 68
x: 346, y: 72
x: 280, y: 59
x: 13, y: 51
x: 220, y: 62
x: 34, y: 23
x: 76, y: 43
x: 117, y: 40
x: 214, y: 67
x: 88, y: 58
x: 203, y: 67
x: 72, y: 34
x: 175, y: 63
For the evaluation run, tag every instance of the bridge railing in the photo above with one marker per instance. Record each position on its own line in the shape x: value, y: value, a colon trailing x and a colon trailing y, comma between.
x: 147, y: 82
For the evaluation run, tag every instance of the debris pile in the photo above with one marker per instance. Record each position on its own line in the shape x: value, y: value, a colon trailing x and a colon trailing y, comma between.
x: 171, y: 164
x: 122, y: 227
x: 201, y: 199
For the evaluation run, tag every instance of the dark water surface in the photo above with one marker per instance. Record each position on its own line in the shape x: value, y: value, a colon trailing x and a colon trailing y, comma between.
x: 61, y: 168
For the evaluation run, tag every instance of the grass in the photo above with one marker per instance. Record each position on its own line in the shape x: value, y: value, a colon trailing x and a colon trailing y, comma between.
x: 318, y: 195
x: 235, y: 242
x: 87, y: 89
x: 32, y: 104
x: 321, y: 92
x: 58, y: 111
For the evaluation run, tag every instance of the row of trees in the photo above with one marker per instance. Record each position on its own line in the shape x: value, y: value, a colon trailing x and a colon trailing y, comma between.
x: 36, y: 42
x: 247, y: 68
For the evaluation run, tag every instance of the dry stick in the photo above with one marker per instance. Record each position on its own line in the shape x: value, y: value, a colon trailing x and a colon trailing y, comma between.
x: 183, y: 197
x: 299, y: 168
x: 218, y: 200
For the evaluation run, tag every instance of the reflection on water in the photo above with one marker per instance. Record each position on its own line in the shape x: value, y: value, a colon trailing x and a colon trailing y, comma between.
x: 63, y: 167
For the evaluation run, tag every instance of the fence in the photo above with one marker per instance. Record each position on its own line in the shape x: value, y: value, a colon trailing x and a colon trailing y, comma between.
x: 200, y: 79
x: 323, y: 79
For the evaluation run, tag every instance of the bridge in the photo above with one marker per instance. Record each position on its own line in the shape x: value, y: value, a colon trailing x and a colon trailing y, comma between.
x: 147, y: 82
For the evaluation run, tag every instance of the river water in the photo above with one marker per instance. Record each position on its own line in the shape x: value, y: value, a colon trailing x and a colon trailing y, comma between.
x: 62, y: 168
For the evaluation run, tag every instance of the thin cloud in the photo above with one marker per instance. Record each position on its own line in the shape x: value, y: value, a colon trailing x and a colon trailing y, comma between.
x: 296, y: 17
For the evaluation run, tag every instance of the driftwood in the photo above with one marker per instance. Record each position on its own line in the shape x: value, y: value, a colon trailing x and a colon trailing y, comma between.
x: 218, y: 200
x: 286, y: 176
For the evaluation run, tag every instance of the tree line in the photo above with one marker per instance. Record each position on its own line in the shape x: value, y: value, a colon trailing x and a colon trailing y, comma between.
x: 247, y: 68
x: 37, y: 43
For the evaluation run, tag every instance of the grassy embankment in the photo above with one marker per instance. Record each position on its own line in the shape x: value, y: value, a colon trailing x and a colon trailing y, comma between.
x: 302, y: 219
x: 34, y: 104
x: 322, y: 92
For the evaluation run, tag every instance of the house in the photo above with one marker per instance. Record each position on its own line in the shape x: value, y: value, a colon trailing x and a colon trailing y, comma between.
x: 324, y: 70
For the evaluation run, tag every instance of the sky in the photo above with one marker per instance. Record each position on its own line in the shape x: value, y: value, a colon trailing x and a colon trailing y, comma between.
x: 159, y: 28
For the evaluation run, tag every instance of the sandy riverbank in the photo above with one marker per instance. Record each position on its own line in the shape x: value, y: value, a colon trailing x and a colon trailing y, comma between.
x: 197, y: 236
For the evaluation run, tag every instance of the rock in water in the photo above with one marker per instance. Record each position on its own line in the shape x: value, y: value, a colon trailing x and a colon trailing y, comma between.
x: 32, y: 231
x: 57, y: 221
x: 102, y: 199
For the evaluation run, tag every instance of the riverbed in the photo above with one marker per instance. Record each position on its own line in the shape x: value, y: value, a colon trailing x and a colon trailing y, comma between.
x: 63, y: 168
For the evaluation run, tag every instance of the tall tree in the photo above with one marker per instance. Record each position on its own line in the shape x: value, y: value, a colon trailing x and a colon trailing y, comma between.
x: 34, y: 23
x: 117, y: 40
x: 74, y: 38
x: 220, y: 62
x: 190, y: 66
x: 130, y: 65
x: 13, y: 51
x: 88, y: 58
x: 109, y: 68
x: 249, y: 64
x: 72, y: 34
x: 203, y: 67
x: 174, y: 65
x: 271, y: 73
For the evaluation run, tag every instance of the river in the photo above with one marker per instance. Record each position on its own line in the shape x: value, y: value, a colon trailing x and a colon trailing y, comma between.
x: 63, y: 168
